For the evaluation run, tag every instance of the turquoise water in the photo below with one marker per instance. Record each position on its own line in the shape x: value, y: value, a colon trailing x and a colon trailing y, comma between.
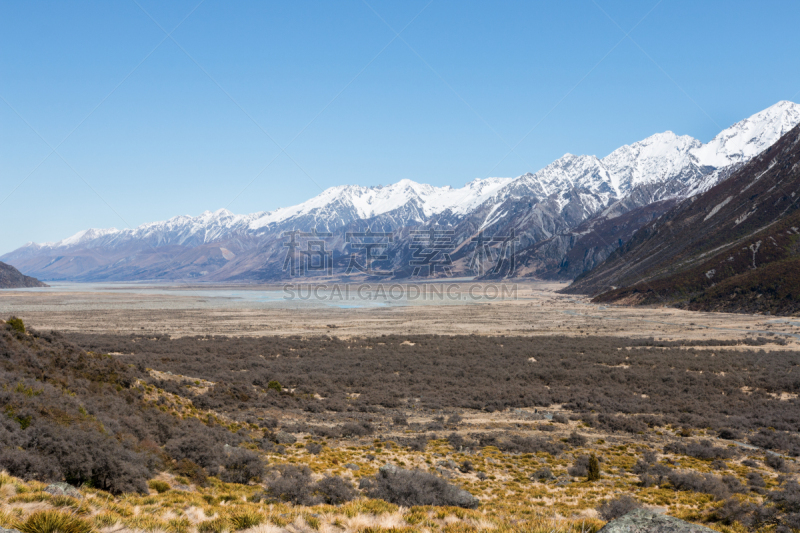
x: 344, y: 296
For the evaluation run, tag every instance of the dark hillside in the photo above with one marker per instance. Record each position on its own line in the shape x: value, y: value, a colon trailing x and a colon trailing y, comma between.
x: 712, y: 251
x: 83, y: 417
x: 11, y: 278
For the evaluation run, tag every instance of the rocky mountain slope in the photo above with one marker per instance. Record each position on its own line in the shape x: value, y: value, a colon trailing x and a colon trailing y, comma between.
x: 11, y: 278
x: 736, y: 247
x: 563, y: 217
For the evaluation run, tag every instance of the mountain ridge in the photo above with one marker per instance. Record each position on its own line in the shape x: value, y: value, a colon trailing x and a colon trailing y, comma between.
x: 538, y: 206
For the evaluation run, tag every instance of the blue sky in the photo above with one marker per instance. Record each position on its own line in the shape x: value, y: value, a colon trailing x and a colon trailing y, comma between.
x: 256, y: 105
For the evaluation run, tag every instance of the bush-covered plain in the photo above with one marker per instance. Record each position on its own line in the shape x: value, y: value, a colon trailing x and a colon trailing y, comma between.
x: 224, y: 434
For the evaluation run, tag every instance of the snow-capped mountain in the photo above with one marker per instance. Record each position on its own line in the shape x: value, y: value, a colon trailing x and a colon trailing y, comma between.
x: 748, y: 138
x: 551, y: 204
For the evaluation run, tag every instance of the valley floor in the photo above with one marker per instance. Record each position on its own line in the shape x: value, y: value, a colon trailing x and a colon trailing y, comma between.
x: 536, y: 309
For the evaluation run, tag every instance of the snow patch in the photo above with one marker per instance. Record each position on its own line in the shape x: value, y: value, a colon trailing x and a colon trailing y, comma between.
x: 717, y: 207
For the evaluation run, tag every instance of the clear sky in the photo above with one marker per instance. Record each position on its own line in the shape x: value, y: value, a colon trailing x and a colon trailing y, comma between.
x: 157, y: 109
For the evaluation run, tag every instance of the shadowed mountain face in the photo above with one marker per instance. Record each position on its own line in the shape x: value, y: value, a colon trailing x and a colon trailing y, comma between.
x: 11, y: 278
x: 735, y: 247
x: 566, y: 218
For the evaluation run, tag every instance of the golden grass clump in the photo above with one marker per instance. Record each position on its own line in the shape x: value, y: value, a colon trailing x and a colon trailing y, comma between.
x: 6, y: 519
x: 179, y: 525
x: 245, y: 519
x: 53, y: 522
x: 158, y: 486
x: 215, y: 525
x: 105, y: 519
x: 145, y: 523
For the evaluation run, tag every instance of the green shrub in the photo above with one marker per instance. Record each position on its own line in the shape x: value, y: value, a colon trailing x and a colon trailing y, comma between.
x: 274, y: 385
x: 593, y: 470
x: 16, y: 324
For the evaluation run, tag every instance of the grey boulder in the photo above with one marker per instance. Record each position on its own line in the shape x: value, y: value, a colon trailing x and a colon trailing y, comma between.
x: 646, y: 521
x: 63, y: 489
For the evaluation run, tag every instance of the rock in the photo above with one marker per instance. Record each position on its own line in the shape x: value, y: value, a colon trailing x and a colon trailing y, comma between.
x: 351, y: 466
x: 462, y: 498
x: 281, y: 437
x: 4, y: 530
x: 647, y: 521
x: 63, y: 489
x: 448, y: 464
x: 390, y: 469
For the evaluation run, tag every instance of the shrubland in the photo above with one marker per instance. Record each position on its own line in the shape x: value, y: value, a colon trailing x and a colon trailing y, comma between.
x: 214, y: 434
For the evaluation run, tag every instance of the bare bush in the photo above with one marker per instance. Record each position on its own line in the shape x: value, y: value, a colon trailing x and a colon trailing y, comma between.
x: 619, y: 506
x: 242, y: 466
x: 415, y: 487
x: 700, y: 450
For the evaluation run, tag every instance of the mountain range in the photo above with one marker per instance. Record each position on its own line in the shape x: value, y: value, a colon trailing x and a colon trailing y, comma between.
x: 565, y: 219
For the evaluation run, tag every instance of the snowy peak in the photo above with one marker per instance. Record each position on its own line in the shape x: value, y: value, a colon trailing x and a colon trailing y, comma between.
x: 652, y: 160
x: 748, y: 138
x: 83, y: 237
x: 565, y: 173
x: 368, y: 202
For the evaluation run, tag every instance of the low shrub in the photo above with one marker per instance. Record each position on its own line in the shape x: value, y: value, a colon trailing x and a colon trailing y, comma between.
x: 576, y: 440
x: 242, y: 466
x: 314, y: 448
x: 333, y: 490
x: 718, y: 487
x: 417, y: 444
x: 700, y: 450
x: 754, y: 480
x: 191, y: 470
x: 357, y: 429
x: 777, y: 440
x: 290, y: 483
x: 580, y: 468
x: 729, y: 434
x: 543, y: 474
x: 415, y: 487
x: 16, y: 324
x: 454, y: 419
x: 775, y: 462
x: 619, y: 506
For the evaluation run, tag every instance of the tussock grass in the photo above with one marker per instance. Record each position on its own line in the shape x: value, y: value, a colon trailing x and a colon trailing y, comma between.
x: 159, y: 486
x: 245, y: 519
x: 53, y: 522
x: 216, y: 525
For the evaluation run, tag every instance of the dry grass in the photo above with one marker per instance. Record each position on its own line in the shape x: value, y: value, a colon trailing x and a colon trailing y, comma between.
x: 513, y: 499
